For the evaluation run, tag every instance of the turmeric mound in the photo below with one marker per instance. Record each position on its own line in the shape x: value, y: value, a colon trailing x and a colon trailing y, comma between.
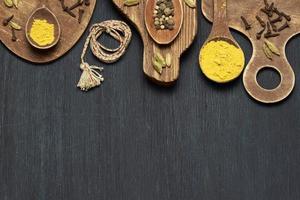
x: 221, y: 61
x: 42, y: 32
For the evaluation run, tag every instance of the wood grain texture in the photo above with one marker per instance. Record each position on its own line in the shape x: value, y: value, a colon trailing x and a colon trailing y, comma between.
x: 250, y: 9
x: 133, y: 140
x: 71, y: 30
x: 176, y: 48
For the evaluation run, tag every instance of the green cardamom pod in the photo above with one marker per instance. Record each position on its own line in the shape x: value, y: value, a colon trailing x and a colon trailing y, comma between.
x: 15, y: 26
x: 158, y: 57
x: 191, y: 3
x: 272, y: 47
x: 157, y: 66
x: 168, y: 60
x: 9, y: 3
x: 16, y: 3
x: 267, y: 51
x: 131, y: 2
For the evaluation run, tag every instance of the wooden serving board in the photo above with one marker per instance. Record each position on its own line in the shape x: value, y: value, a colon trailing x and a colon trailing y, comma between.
x: 176, y: 48
x: 249, y: 9
x: 71, y: 29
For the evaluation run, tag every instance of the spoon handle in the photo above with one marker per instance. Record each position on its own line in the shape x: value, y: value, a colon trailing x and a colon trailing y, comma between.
x: 220, y: 25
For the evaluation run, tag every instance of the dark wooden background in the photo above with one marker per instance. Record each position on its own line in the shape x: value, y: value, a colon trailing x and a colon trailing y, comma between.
x: 130, y: 139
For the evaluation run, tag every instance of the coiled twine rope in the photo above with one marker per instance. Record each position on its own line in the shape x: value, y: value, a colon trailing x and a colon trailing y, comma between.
x: 121, y: 32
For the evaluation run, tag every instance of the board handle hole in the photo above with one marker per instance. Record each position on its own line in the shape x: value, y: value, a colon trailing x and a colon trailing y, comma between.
x: 268, y: 78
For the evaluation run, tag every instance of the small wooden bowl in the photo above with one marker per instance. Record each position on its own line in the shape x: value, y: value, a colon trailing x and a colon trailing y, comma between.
x: 163, y: 37
x: 43, y: 13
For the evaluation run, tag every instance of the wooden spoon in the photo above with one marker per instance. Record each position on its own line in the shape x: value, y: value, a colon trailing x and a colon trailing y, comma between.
x: 163, y: 36
x: 220, y: 29
x: 43, y: 13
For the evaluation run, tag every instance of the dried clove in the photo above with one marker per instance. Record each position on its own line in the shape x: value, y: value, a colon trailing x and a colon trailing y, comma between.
x: 268, y: 28
x: 271, y: 35
x: 7, y: 20
x: 87, y: 2
x: 268, y: 13
x: 278, y: 19
x: 259, y: 34
x: 62, y: 2
x: 276, y: 11
x: 77, y: 4
x: 286, y: 25
x: 13, y: 35
x: 274, y: 27
x: 287, y: 17
x: 270, y: 9
x: 266, y: 4
x: 67, y: 10
x: 247, y: 25
x: 81, y: 12
x: 262, y: 23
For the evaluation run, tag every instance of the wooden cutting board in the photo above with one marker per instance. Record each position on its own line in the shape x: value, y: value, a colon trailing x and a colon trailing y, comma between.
x: 71, y: 29
x: 176, y: 48
x: 249, y: 9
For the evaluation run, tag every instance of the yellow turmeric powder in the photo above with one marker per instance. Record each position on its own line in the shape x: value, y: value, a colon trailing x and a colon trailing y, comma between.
x: 221, y: 61
x: 42, y: 32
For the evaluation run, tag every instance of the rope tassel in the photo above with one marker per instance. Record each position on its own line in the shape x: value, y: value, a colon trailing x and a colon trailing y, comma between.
x: 90, y: 78
x: 121, y: 32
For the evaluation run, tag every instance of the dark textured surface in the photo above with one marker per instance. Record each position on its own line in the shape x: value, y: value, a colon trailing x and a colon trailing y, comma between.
x: 130, y: 139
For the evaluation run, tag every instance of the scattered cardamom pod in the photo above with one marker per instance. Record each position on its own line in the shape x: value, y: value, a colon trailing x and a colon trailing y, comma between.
x: 16, y: 3
x: 160, y: 59
x: 168, y: 60
x: 15, y: 26
x: 267, y: 51
x: 159, y: 62
x: 131, y: 2
x: 157, y: 66
x: 272, y: 47
x: 9, y: 3
x: 190, y: 3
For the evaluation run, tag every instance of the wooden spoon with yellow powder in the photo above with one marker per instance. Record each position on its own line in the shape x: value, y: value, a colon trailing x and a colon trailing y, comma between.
x: 42, y: 28
x: 221, y: 58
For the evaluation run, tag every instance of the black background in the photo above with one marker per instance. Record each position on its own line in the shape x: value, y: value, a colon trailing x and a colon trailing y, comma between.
x: 131, y: 139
